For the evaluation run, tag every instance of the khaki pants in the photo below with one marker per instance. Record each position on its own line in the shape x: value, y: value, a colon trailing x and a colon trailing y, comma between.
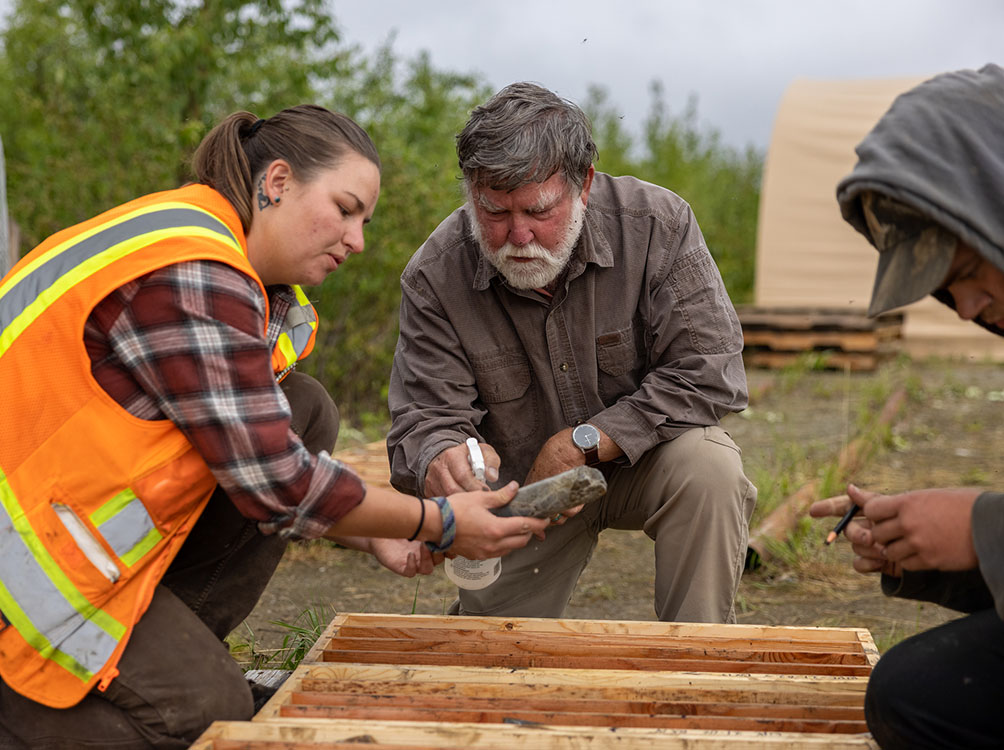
x: 690, y: 496
x: 176, y: 675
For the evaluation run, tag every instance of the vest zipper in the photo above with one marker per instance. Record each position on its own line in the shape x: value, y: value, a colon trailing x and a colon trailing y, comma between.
x: 105, y: 681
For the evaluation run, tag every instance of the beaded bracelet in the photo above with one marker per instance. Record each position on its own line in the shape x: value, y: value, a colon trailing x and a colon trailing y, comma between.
x: 421, y: 522
x: 449, y: 526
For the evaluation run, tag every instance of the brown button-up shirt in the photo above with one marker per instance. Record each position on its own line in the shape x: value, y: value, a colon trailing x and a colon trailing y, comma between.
x: 640, y: 339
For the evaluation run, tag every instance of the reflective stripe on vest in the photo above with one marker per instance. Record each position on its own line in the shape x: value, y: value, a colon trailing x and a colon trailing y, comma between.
x: 40, y: 601
x: 297, y: 335
x: 27, y: 293
x: 36, y: 596
x: 127, y: 527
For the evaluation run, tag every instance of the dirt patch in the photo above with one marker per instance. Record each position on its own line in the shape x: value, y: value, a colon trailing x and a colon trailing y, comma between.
x: 798, y: 421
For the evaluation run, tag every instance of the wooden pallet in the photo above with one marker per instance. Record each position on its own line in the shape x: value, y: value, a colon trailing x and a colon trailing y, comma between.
x: 370, y: 462
x: 466, y: 682
x: 777, y: 337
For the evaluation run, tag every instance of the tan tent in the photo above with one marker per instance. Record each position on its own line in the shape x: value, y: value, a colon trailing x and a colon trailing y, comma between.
x: 807, y: 255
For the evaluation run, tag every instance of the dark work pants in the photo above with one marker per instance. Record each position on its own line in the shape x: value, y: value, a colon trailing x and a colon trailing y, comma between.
x: 176, y: 675
x: 943, y: 688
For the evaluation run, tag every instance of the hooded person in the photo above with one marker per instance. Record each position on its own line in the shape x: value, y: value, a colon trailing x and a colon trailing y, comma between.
x: 928, y: 193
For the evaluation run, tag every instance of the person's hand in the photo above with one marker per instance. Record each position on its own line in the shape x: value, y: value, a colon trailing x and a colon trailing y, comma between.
x: 923, y: 529
x: 918, y: 530
x: 558, y: 454
x: 403, y: 557
x: 451, y: 472
x: 868, y: 557
x: 481, y: 534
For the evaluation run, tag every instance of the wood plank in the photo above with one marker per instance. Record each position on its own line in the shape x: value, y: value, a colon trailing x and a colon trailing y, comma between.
x: 816, y: 686
x: 315, y: 735
x: 521, y: 661
x: 628, y: 628
x: 750, y: 651
x: 700, y: 706
x: 853, y: 361
x: 223, y: 744
x: 493, y: 716
x: 797, y: 341
x: 807, y: 318
x: 780, y: 641
x: 741, y: 691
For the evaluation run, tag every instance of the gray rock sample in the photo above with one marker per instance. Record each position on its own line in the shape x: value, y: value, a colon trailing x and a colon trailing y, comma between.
x: 545, y: 498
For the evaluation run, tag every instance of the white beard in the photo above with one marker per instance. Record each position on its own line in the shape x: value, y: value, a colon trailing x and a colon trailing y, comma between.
x: 546, y: 265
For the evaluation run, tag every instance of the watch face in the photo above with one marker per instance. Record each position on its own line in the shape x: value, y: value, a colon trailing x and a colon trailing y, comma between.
x: 585, y: 436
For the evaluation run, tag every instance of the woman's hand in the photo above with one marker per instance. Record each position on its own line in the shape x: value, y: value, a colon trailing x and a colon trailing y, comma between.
x: 481, y: 534
x: 400, y: 556
x: 397, y: 555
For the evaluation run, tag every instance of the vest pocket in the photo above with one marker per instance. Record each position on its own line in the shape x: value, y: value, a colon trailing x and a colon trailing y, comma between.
x: 87, y: 542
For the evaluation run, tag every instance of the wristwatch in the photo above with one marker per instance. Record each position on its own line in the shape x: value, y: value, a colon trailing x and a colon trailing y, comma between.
x: 587, y: 439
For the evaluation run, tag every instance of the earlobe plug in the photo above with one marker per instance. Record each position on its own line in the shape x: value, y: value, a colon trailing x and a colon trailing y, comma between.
x: 276, y: 199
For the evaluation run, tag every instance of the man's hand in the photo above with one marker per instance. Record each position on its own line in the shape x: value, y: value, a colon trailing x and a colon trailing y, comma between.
x: 558, y: 454
x: 481, y: 534
x: 451, y: 472
x: 923, y: 529
x: 918, y: 530
x: 403, y: 557
x: 868, y: 557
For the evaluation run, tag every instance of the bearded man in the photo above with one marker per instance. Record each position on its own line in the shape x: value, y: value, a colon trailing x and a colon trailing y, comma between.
x: 566, y: 317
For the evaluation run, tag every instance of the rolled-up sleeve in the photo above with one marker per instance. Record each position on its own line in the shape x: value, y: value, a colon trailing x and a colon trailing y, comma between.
x: 187, y: 343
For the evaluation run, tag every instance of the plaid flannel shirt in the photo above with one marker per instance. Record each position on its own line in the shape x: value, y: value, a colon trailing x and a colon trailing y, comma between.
x: 185, y: 343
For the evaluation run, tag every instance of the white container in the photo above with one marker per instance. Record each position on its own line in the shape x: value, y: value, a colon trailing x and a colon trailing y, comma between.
x: 473, y: 574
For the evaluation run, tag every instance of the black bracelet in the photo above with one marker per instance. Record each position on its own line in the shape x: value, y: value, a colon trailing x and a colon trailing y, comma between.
x: 421, y: 522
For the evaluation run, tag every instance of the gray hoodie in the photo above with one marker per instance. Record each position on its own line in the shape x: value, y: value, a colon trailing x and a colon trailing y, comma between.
x: 940, y: 150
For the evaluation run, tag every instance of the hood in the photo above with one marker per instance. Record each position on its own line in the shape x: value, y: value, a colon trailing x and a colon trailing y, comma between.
x: 939, y: 150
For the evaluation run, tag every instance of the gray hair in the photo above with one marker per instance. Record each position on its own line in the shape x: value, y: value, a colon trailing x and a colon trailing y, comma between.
x: 525, y: 134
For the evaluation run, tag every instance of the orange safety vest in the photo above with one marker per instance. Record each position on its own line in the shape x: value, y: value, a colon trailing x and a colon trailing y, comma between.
x: 95, y: 503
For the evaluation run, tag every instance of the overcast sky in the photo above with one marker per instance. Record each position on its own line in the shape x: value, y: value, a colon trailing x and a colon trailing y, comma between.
x: 737, y: 56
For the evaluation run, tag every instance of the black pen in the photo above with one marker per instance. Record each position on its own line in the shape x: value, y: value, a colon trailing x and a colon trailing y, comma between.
x: 842, y: 524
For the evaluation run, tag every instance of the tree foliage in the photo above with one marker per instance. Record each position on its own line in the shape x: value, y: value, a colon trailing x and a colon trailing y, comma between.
x: 721, y: 184
x: 105, y: 100
x: 413, y: 117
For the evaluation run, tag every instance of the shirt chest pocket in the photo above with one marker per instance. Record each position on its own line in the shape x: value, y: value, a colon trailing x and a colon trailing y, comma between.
x: 504, y: 382
x: 620, y: 361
